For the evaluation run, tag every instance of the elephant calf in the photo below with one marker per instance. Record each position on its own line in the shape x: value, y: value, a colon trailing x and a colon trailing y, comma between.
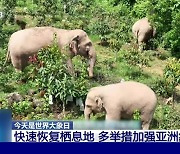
x: 121, y: 100
x: 143, y: 31
x: 27, y: 42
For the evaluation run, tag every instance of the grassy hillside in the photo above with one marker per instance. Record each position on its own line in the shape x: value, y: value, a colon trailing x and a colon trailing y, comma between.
x: 111, y: 67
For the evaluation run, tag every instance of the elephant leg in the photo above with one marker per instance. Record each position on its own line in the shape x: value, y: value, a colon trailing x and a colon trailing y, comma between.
x: 24, y: 62
x: 90, y: 70
x: 8, y: 59
x: 113, y: 115
x: 146, y: 120
x: 19, y: 62
x: 91, y: 66
x: 16, y: 63
x: 141, y: 43
x: 145, y: 125
x: 70, y: 66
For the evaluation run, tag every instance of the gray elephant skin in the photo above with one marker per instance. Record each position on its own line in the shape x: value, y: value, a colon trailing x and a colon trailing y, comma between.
x: 27, y: 42
x: 143, y: 31
x: 121, y: 100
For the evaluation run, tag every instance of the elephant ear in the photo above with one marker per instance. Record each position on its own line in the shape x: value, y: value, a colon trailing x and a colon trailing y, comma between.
x: 99, y: 102
x: 88, y: 45
x: 73, y: 45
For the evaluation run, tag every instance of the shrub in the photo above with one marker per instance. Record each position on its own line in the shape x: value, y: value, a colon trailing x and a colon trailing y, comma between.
x: 6, y: 31
x: 172, y: 71
x: 111, y: 23
x: 22, y: 108
x: 162, y: 87
x: 4, y: 104
x: 8, y: 8
x: 54, y: 78
x: 171, y: 78
x: 136, y: 115
x: 134, y: 57
x: 167, y: 117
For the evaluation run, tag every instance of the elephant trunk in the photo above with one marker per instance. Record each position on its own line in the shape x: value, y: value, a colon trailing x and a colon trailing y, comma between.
x: 87, y: 116
x: 87, y: 113
x: 92, y: 61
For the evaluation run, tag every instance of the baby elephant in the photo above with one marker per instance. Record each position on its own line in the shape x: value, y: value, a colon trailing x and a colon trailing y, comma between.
x: 143, y: 31
x: 121, y: 100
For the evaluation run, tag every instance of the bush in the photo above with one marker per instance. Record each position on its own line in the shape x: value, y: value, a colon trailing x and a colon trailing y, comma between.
x: 134, y: 57
x: 54, y: 78
x: 111, y: 23
x: 136, y: 115
x: 167, y: 117
x: 162, y: 87
x: 172, y: 71
x: 22, y: 108
x: 6, y: 31
x: 171, y: 78
x: 26, y: 110
x: 172, y: 74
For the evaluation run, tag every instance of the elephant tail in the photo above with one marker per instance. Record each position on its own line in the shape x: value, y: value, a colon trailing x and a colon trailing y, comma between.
x: 137, y: 34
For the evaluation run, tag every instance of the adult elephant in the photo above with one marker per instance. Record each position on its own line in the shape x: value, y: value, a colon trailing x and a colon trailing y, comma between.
x: 143, y: 31
x: 27, y: 42
x: 121, y: 100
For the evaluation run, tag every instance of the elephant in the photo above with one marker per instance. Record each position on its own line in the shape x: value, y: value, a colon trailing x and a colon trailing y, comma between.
x: 25, y: 43
x: 121, y: 100
x: 143, y: 31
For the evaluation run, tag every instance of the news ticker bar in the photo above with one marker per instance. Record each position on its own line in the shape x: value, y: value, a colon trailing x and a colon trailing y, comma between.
x: 34, y: 136
x: 79, y: 131
x: 76, y: 125
x: 42, y: 125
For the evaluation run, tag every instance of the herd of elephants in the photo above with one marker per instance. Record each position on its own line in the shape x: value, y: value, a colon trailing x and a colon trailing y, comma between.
x: 118, y: 100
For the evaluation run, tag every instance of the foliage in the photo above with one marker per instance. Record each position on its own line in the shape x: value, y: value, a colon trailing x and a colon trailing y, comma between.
x: 6, y: 31
x: 8, y: 8
x: 135, y: 57
x: 136, y: 115
x: 45, y: 108
x: 166, y: 86
x: 46, y: 11
x: 162, y: 87
x: 111, y: 23
x: 26, y: 109
x: 54, y: 78
x: 167, y: 117
x: 22, y: 108
x: 167, y: 28
x: 18, y: 108
x: 172, y: 71
x: 111, y: 20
